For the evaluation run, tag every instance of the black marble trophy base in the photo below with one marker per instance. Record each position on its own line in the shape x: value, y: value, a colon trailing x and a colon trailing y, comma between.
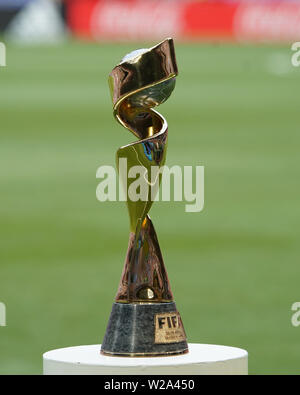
x: 144, y: 329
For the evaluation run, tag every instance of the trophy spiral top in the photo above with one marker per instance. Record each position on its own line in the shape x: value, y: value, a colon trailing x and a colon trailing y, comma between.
x: 143, y: 79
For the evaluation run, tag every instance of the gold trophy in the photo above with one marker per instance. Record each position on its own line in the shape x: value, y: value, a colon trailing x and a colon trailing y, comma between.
x: 144, y: 320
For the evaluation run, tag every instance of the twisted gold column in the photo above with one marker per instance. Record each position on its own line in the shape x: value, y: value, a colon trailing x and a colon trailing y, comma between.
x: 143, y: 80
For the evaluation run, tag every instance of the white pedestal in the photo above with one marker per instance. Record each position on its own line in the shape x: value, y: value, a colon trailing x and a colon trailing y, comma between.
x: 202, y: 359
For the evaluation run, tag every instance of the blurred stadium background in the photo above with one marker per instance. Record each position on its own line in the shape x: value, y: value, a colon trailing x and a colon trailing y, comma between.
x: 234, y: 268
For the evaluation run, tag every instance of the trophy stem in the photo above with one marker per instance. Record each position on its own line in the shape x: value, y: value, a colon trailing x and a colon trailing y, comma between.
x: 144, y: 277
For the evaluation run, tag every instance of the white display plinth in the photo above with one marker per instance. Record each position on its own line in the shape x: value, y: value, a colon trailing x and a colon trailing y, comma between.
x: 202, y: 359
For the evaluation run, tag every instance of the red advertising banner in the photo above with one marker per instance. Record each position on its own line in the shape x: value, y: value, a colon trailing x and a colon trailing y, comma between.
x: 208, y: 20
x: 156, y: 19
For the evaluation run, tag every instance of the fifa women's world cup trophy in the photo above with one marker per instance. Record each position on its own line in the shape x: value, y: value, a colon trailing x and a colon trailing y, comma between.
x: 144, y: 320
